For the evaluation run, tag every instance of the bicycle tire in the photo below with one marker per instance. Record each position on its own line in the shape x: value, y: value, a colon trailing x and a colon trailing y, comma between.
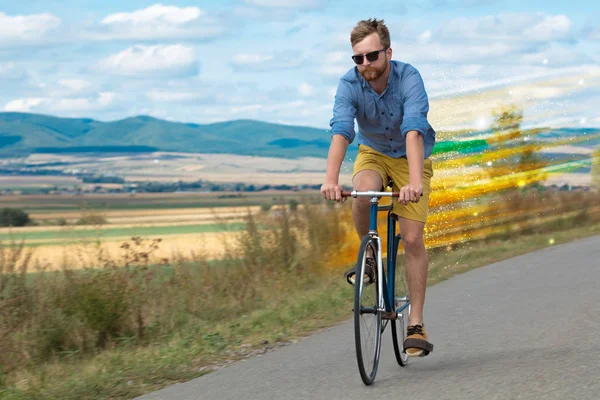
x: 367, y: 341
x: 401, y: 323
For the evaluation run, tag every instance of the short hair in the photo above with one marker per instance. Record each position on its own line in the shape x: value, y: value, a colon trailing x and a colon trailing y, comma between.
x: 367, y: 27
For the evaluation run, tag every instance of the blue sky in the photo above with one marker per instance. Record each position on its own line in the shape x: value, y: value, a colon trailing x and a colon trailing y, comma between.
x: 280, y: 60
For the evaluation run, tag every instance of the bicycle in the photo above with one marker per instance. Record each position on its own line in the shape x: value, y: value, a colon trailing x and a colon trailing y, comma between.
x: 386, y: 304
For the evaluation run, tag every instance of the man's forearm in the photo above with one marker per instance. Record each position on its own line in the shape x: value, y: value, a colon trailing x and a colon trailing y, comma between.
x: 337, y: 152
x: 415, y: 156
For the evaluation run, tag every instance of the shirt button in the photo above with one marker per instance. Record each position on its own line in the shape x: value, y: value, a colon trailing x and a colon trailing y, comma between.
x: 387, y: 129
x: 392, y: 115
x: 382, y: 113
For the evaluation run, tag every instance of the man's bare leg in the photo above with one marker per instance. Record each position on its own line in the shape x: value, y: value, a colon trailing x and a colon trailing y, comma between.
x: 416, y: 267
x: 363, y: 181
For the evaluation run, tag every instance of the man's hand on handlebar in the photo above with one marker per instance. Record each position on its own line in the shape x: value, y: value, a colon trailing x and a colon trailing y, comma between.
x: 410, y: 193
x: 332, y: 191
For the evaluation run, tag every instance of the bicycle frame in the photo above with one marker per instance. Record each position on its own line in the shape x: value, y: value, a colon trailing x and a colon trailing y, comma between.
x: 387, y: 303
x: 384, y: 307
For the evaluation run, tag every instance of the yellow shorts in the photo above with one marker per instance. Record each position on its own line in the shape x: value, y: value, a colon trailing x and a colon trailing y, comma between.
x: 396, y: 169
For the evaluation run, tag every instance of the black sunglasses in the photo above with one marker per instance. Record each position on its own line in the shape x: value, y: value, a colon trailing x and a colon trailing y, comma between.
x: 372, y: 56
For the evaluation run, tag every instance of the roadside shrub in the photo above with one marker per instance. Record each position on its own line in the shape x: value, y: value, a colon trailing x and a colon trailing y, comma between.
x: 14, y: 217
x: 62, y: 221
x: 293, y: 204
x: 91, y: 219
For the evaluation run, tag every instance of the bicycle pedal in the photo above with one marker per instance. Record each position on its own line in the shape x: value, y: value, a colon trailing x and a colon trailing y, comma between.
x: 390, y: 315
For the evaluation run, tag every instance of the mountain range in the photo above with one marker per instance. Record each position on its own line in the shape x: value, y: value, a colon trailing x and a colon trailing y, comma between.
x: 24, y: 133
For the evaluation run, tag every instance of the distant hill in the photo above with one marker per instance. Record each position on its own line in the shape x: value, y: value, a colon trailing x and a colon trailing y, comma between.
x: 23, y: 133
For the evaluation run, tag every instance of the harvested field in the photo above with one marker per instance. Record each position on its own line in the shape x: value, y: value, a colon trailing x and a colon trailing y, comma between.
x: 84, y: 254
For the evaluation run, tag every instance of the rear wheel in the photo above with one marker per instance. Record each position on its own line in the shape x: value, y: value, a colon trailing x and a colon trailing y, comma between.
x: 401, y: 301
x: 367, y: 318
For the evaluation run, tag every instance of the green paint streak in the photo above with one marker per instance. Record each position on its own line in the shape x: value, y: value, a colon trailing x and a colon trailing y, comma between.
x: 461, y: 146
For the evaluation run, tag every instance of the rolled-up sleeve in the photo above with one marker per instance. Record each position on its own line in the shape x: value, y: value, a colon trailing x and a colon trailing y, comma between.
x: 344, y: 112
x: 416, y: 105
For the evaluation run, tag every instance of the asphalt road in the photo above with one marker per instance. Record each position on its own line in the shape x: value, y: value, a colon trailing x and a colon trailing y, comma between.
x: 524, y: 328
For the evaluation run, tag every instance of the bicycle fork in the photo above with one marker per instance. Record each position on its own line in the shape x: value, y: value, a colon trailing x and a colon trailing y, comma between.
x: 389, y: 315
x: 380, y: 301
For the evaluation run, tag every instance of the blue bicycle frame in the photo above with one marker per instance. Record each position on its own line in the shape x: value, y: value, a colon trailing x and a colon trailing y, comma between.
x: 393, y: 241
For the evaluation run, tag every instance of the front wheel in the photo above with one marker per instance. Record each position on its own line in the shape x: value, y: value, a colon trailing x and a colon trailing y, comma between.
x: 399, y: 327
x: 367, y: 317
x: 401, y: 302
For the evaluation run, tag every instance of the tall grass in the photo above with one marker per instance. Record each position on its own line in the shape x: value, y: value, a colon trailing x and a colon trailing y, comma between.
x: 135, y: 300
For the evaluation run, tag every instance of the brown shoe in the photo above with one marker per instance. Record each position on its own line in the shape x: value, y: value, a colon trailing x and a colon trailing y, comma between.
x: 369, y: 277
x: 416, y: 344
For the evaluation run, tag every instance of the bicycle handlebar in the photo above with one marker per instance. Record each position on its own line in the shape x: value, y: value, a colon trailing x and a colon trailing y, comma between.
x: 371, y: 193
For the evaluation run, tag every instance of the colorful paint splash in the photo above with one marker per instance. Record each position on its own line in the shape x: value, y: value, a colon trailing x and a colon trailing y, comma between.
x: 495, y: 183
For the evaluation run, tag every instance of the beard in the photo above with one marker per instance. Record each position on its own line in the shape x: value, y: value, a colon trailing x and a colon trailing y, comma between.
x: 372, y: 73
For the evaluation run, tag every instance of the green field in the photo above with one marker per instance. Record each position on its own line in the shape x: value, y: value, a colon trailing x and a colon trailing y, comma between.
x: 65, y: 203
x: 70, y: 234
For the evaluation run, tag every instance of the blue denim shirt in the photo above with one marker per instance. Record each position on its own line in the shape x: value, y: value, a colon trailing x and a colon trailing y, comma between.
x: 383, y: 120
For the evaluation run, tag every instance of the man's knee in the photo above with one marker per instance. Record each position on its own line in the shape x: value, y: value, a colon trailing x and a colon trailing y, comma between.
x: 413, y: 241
x: 367, y: 180
x: 412, y: 235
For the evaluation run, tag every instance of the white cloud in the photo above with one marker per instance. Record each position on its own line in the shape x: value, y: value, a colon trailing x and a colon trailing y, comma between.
x: 142, y: 61
x: 266, y: 62
x: 166, y: 96
x: 21, y: 29
x: 549, y: 28
x: 537, y: 92
x: 556, y: 56
x: 65, y: 87
x: 158, y: 22
x: 74, y: 85
x: 525, y: 27
x: 11, y: 72
x: 592, y: 32
x: 435, y: 52
x: 425, y: 36
x: 298, y: 112
x: 338, y: 56
x: 251, y: 59
x: 101, y: 101
x: 156, y: 13
x: 334, y: 70
x: 287, y: 4
x: 305, y: 89
x: 275, y: 10
x: 23, y: 105
x: 337, y: 63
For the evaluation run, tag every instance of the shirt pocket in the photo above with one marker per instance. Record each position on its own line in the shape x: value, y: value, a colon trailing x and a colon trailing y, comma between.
x: 397, y: 111
x: 371, y: 113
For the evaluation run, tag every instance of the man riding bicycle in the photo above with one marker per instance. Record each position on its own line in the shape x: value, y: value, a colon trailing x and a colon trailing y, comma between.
x: 387, y: 98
